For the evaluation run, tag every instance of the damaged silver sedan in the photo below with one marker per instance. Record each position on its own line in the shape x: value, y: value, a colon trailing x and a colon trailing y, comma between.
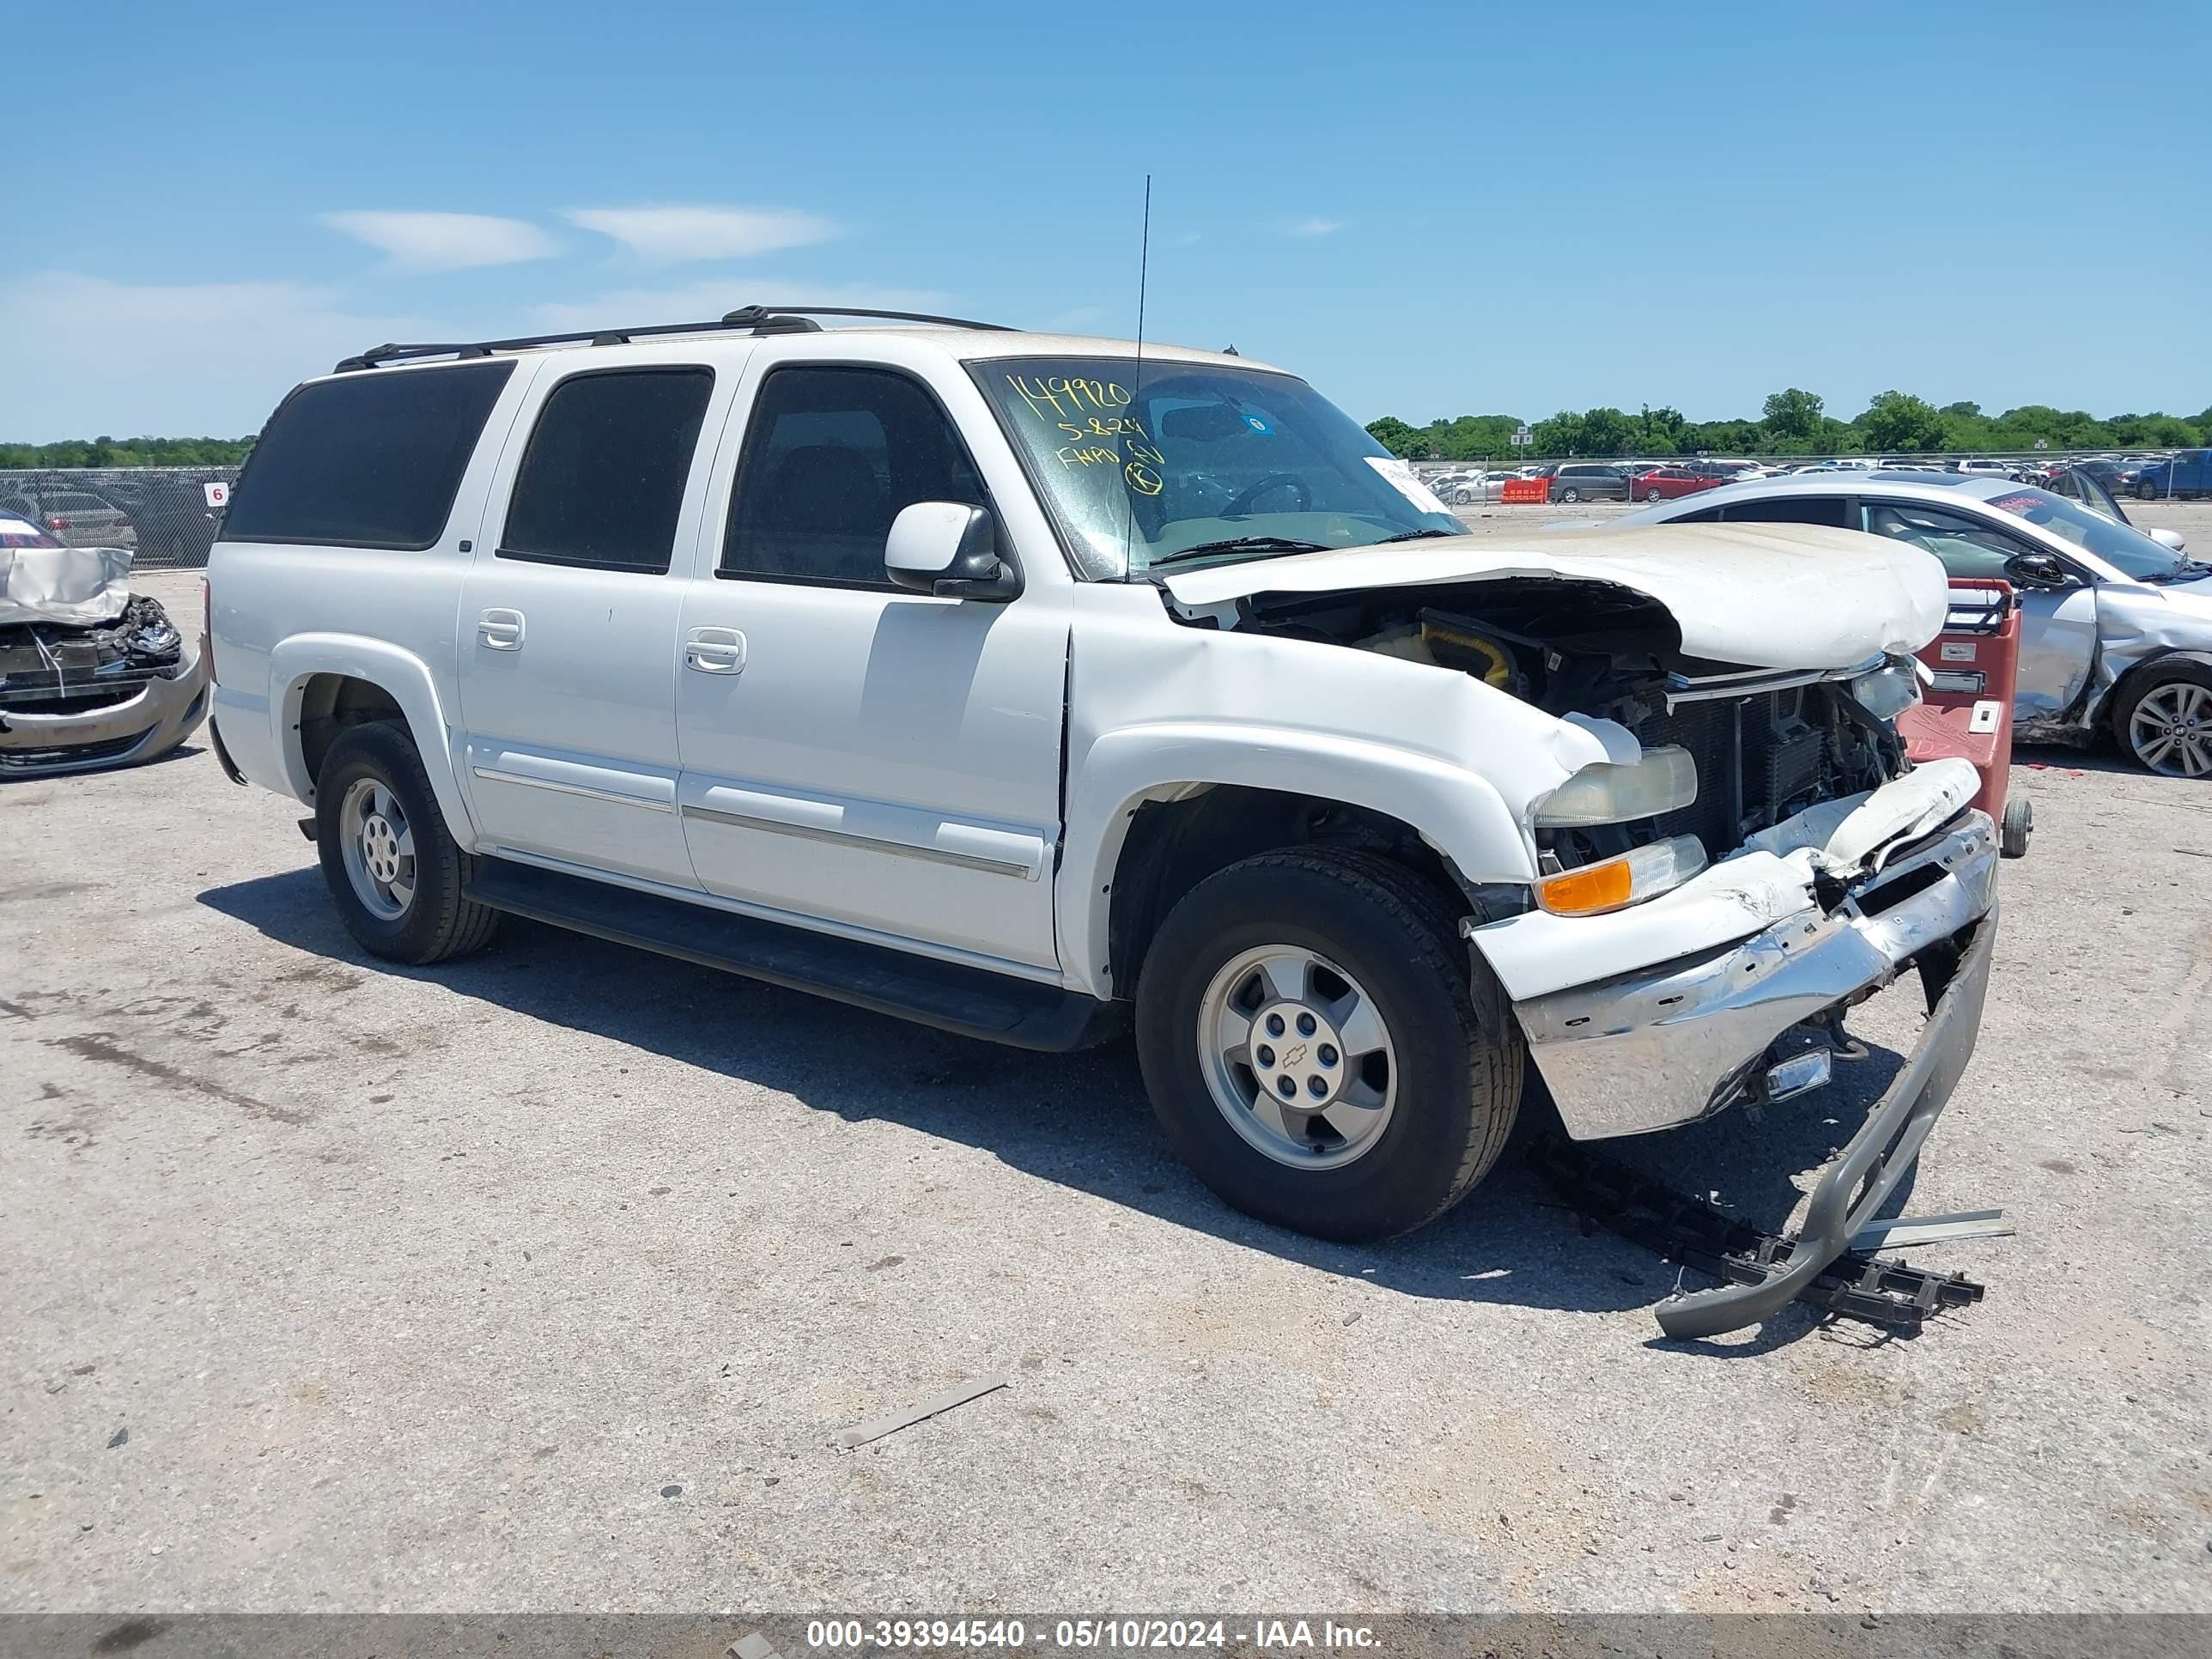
x: 2116, y: 623
x: 91, y: 674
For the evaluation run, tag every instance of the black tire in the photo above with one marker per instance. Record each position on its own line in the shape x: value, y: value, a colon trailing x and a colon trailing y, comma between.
x: 2146, y: 492
x: 2019, y: 825
x: 2154, y: 679
x: 1458, y: 1055
x: 437, y: 923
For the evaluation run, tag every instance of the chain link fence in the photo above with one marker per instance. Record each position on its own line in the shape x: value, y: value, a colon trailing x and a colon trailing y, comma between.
x: 165, y: 515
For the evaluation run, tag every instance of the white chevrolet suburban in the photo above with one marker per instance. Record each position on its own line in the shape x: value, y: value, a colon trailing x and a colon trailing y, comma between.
x: 1011, y: 681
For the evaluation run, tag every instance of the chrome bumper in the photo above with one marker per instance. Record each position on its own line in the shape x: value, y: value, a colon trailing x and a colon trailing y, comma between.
x: 1668, y: 1045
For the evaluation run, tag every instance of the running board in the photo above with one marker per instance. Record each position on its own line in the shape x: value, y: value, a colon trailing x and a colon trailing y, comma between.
x: 970, y: 1001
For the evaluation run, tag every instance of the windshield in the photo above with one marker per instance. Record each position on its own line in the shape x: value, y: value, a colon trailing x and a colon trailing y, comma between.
x: 1191, y: 464
x: 2123, y: 547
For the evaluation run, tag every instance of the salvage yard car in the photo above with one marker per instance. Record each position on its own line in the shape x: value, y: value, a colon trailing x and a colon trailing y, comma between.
x: 91, y: 674
x: 2116, y: 624
x: 1019, y: 685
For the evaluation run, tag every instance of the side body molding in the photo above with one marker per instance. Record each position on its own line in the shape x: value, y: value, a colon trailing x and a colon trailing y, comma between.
x: 299, y: 657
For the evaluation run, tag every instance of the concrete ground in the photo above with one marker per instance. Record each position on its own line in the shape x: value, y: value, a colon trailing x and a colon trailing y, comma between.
x: 546, y: 1280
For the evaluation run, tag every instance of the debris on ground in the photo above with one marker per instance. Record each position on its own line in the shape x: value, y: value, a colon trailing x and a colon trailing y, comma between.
x: 891, y: 1422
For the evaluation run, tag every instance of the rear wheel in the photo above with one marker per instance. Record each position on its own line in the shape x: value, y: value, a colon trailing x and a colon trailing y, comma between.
x: 2165, y: 720
x: 2146, y: 492
x: 1570, y: 493
x: 1653, y: 494
x: 394, y: 871
x: 1313, y: 1047
x: 2019, y: 825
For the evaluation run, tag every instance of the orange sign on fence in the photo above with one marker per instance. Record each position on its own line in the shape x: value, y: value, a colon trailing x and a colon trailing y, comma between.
x: 1525, y: 490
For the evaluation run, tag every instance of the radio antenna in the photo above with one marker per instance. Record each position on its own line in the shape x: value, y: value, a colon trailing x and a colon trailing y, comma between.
x: 1144, y: 267
x: 1144, y: 271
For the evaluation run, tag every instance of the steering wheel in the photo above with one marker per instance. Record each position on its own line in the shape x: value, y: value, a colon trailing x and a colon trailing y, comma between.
x: 1245, y: 497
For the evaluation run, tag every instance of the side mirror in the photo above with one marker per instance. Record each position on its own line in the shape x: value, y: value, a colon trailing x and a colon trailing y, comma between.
x: 2037, y: 570
x: 950, y: 550
x: 2165, y: 537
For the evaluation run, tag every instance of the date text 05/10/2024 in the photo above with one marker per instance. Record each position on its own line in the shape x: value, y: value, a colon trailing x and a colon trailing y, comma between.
x: 1272, y: 1635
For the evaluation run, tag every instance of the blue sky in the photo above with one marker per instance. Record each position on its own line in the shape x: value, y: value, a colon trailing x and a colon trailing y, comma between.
x: 1427, y: 210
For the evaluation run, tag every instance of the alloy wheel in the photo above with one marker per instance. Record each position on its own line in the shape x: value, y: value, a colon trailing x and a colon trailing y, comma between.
x: 379, y: 845
x: 1296, y: 1056
x: 2171, y: 729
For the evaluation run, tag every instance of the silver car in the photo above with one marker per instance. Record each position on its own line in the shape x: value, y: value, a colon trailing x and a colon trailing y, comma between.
x: 91, y: 674
x: 2116, y: 625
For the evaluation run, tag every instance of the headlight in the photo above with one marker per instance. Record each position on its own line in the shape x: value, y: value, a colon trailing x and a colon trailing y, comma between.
x: 1617, y: 883
x: 1890, y: 690
x: 1665, y: 778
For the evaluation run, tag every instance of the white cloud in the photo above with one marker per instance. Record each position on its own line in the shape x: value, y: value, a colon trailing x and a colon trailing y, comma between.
x: 86, y: 355
x: 444, y: 241
x: 694, y: 302
x: 675, y: 231
x: 1313, y: 227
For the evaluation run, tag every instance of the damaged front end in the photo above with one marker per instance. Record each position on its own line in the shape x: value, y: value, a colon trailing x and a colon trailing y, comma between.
x: 91, y: 675
x: 1753, y: 857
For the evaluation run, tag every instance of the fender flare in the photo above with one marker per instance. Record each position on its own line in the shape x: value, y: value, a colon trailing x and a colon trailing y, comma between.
x: 402, y: 675
x: 1457, y: 812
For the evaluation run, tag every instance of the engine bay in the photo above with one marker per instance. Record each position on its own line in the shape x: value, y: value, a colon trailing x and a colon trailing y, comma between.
x: 1604, y: 651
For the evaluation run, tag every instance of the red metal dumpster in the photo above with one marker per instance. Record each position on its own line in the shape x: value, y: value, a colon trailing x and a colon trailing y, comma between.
x: 1967, y: 710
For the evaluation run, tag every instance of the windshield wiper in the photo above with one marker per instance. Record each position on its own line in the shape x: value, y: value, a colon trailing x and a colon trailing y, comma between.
x: 1240, y: 544
x: 1414, y: 536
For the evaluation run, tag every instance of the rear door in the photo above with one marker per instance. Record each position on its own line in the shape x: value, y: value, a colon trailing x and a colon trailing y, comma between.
x: 859, y: 756
x: 567, y: 639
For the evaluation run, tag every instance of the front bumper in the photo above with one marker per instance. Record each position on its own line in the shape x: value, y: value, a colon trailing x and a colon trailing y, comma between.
x: 1669, y: 1044
x: 162, y: 716
x: 1860, y: 1179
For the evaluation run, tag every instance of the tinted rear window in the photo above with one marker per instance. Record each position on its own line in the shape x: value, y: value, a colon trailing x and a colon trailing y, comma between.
x: 602, y: 482
x: 372, y: 459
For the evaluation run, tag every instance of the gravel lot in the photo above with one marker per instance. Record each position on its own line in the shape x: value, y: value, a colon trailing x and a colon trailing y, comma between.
x: 546, y: 1280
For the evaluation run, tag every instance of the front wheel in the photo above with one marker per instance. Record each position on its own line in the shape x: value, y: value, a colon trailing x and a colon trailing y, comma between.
x: 1314, y: 1049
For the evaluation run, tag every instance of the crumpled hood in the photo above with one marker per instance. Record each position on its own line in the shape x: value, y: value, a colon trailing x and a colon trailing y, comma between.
x: 1763, y: 596
x: 79, y: 585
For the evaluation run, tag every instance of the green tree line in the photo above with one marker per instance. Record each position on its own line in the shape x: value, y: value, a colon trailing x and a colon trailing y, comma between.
x: 1793, y: 422
x: 127, y: 452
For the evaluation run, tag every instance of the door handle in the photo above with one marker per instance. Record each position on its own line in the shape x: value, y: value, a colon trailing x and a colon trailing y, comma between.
x: 715, y: 651
x: 500, y: 630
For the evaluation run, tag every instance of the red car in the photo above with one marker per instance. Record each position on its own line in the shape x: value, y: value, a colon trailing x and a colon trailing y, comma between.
x: 1667, y: 484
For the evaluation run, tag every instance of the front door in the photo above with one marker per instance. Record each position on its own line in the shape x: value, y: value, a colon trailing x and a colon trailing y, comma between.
x: 858, y: 755
x: 2057, y: 626
x: 568, y: 630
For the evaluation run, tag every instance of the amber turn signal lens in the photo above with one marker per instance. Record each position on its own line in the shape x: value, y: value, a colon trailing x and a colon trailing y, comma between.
x: 1586, y: 892
x: 1642, y: 872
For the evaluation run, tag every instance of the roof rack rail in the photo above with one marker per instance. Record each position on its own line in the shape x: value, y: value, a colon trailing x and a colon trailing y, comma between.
x: 755, y: 320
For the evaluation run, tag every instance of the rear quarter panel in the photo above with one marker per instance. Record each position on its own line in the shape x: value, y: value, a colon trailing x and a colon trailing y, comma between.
x: 279, y: 613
